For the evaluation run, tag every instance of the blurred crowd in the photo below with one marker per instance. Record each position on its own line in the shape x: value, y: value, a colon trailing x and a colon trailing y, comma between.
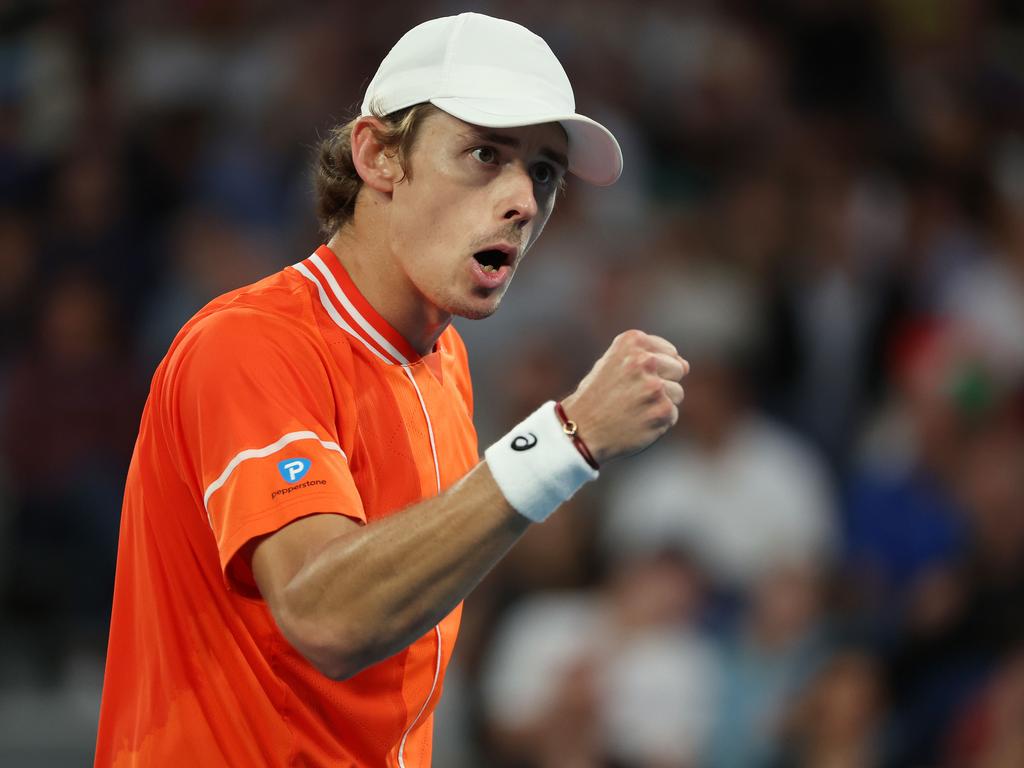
x: 823, y: 207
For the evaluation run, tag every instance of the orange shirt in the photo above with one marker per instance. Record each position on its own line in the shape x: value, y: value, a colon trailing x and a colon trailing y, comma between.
x: 286, y: 398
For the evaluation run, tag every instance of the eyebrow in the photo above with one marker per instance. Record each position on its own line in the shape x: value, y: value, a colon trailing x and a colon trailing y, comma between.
x: 514, y: 143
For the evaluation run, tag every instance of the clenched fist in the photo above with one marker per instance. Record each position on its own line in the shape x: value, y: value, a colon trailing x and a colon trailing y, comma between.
x: 631, y: 396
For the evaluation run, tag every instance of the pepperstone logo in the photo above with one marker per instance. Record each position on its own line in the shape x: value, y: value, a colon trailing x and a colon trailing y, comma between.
x: 293, y: 470
x: 290, y: 488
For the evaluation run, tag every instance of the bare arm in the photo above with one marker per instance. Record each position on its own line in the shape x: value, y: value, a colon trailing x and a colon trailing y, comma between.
x: 372, y: 590
x: 347, y: 596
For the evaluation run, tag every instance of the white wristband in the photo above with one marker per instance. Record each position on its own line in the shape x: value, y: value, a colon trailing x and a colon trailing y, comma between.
x: 537, y: 466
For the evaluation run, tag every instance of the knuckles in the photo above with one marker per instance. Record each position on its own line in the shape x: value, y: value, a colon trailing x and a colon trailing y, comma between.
x: 633, y: 366
x: 653, y: 387
x: 632, y: 336
x: 640, y: 363
x: 631, y: 339
x: 665, y: 411
x: 675, y: 392
x: 675, y: 416
x: 663, y: 417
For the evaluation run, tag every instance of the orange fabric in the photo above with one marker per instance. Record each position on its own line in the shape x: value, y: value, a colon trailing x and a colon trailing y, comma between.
x: 266, y: 409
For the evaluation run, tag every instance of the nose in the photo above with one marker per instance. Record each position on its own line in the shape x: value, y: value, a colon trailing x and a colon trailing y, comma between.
x: 518, y: 202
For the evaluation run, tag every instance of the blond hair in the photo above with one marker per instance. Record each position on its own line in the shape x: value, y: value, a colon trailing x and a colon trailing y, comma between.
x: 336, y: 181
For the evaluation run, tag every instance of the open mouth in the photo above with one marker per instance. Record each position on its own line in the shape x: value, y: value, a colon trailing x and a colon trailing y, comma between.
x: 492, y: 260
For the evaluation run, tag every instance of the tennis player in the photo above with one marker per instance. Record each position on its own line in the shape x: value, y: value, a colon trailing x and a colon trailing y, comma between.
x: 306, y: 507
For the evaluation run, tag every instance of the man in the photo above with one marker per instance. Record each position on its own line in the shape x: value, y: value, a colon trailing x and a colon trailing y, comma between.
x: 306, y: 509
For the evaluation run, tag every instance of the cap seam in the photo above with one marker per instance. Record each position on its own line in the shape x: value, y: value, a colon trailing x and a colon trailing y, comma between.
x: 449, y: 49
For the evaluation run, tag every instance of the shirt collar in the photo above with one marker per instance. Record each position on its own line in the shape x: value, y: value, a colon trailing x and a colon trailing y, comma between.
x: 350, y: 310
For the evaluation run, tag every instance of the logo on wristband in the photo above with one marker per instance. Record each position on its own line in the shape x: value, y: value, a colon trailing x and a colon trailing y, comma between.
x: 524, y: 442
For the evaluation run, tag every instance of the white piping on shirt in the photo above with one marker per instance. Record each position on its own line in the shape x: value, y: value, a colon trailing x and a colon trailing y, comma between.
x: 390, y: 349
x: 259, y: 453
x: 335, y: 315
x: 433, y: 687
x: 430, y: 428
x: 351, y: 309
x: 437, y: 628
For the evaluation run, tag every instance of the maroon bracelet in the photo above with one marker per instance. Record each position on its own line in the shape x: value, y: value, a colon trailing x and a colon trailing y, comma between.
x: 572, y: 431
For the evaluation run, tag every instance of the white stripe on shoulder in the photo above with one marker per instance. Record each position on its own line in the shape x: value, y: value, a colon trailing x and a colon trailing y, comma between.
x: 335, y: 316
x: 350, y: 307
x: 259, y: 453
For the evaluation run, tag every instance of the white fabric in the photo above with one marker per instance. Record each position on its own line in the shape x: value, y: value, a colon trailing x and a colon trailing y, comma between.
x: 537, y: 466
x: 491, y: 73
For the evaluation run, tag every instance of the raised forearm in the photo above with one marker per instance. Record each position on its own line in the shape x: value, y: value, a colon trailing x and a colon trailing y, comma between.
x: 371, y: 591
x: 375, y: 590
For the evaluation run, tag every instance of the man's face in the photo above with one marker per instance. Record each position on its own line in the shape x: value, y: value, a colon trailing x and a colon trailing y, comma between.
x: 473, y: 201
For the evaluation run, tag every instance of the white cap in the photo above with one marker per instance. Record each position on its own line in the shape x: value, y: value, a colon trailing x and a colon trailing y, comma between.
x: 492, y: 73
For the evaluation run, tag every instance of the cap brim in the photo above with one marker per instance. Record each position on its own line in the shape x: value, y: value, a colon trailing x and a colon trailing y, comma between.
x: 594, y: 154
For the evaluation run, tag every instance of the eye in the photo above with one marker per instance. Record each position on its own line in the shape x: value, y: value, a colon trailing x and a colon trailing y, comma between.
x: 543, y: 173
x: 486, y: 155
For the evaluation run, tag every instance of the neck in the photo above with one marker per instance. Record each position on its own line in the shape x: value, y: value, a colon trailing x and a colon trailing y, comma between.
x: 374, y: 270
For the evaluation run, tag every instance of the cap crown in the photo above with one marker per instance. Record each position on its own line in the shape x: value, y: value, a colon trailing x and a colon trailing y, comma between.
x: 493, y: 73
x: 471, y: 56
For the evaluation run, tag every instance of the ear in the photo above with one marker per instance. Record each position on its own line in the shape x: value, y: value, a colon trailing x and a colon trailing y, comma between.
x: 378, y: 169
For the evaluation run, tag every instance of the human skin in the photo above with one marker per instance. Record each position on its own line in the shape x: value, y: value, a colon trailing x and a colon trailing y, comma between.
x: 410, y: 246
x: 347, y: 595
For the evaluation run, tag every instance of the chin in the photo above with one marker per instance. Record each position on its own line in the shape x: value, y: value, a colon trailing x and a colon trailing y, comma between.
x: 474, y: 305
x: 476, y: 310
x: 476, y: 313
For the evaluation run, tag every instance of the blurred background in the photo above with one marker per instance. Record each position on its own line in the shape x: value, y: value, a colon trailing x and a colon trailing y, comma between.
x: 823, y: 207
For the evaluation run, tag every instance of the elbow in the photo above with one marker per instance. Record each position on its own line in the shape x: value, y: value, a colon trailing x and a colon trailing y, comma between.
x: 333, y: 649
x: 336, y: 668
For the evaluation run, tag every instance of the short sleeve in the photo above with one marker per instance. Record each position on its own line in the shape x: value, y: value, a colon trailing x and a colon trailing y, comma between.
x: 258, y: 427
